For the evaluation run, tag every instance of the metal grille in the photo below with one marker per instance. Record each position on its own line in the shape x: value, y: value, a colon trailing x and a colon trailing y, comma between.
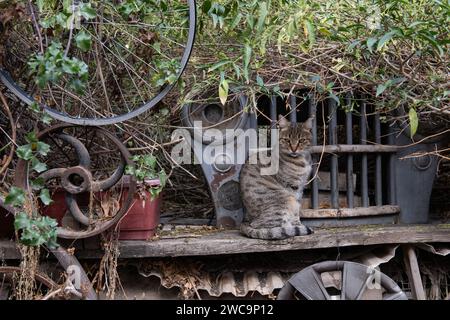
x: 349, y: 141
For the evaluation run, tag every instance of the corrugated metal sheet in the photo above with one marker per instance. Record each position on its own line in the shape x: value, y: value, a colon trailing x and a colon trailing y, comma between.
x: 239, y: 284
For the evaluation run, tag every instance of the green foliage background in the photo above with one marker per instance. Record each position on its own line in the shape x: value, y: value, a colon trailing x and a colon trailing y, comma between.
x: 395, y: 50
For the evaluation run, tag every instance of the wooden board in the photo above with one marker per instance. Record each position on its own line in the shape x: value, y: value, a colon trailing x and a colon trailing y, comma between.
x: 231, y: 242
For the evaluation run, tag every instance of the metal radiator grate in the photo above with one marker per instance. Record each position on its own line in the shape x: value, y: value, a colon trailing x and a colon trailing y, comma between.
x: 346, y: 140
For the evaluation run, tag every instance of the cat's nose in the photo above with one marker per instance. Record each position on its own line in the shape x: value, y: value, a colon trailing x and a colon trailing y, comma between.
x: 294, y: 154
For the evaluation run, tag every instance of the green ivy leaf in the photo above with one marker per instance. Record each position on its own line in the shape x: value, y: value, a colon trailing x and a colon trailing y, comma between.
x: 36, y: 231
x: 49, y: 222
x: 150, y: 160
x: 31, y: 137
x: 21, y: 221
x: 83, y: 41
x: 38, y: 166
x: 35, y: 107
x: 87, y: 11
x: 37, y: 184
x: 164, y: 111
x: 25, y: 152
x: 206, y: 6
x: 129, y: 170
x: 78, y: 86
x: 45, y: 197
x: 40, y: 4
x: 15, y: 197
x: 162, y: 178
x: 42, y: 148
x: 46, y: 119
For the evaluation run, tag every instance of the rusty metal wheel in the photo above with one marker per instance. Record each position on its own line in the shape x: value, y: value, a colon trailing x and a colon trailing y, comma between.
x: 86, y: 166
x: 139, y: 52
x: 340, y: 280
x: 7, y: 283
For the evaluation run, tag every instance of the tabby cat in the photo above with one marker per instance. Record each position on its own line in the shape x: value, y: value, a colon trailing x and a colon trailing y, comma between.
x: 272, y: 202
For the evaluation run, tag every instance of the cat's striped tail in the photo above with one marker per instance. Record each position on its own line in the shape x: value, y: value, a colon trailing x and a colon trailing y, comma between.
x: 276, y: 233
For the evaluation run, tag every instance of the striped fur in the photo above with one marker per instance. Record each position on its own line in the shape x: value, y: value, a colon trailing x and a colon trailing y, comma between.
x: 272, y: 202
x: 275, y: 233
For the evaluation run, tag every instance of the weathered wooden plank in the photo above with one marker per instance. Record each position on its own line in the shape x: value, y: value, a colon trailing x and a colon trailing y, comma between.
x: 413, y: 272
x: 231, y: 242
x: 348, y: 213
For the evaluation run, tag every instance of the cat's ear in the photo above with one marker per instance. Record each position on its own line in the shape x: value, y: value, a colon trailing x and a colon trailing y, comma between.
x: 308, y: 124
x: 283, y: 123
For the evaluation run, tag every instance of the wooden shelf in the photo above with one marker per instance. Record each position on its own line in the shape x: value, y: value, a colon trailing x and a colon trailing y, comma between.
x: 216, y: 242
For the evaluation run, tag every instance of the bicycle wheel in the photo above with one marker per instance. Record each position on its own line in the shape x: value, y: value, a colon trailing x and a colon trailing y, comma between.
x: 96, y: 62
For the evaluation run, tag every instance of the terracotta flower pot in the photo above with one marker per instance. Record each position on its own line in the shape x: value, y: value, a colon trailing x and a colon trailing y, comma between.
x: 142, y: 219
x: 57, y: 209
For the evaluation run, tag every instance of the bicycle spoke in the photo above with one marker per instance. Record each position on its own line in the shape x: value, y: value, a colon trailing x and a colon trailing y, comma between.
x: 132, y: 58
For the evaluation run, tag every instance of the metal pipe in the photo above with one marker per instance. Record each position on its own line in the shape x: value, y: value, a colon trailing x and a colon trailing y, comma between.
x: 312, y: 109
x: 293, y: 112
x: 378, y: 175
x: 332, y: 132
x: 363, y: 137
x: 349, y: 140
x: 392, y: 192
x: 273, y: 111
x: 355, y: 148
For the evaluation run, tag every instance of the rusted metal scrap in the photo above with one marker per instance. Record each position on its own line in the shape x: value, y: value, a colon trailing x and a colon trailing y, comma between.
x: 7, y: 280
x: 86, y: 183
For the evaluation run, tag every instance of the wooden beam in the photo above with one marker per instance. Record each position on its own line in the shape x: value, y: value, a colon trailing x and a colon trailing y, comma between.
x: 413, y: 272
x: 232, y: 242
x: 349, y: 213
